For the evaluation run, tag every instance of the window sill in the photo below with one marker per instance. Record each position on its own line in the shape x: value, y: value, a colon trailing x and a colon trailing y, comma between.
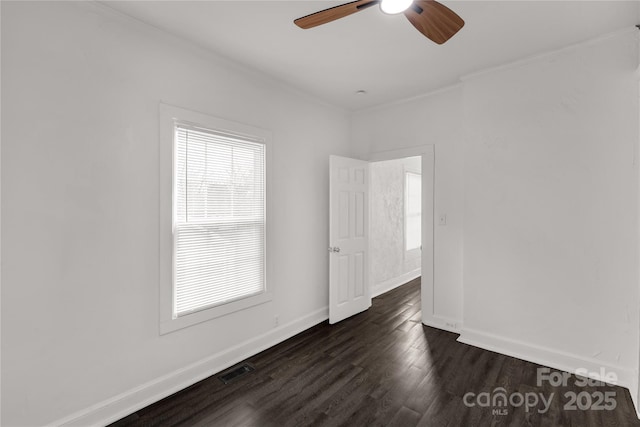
x: 174, y: 324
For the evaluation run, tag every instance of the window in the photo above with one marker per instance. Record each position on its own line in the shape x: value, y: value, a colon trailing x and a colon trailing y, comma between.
x: 412, y: 211
x: 219, y: 219
x: 215, y: 236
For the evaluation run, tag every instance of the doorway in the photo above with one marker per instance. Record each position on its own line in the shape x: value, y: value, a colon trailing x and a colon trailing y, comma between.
x: 350, y: 284
x: 395, y: 222
x: 426, y: 154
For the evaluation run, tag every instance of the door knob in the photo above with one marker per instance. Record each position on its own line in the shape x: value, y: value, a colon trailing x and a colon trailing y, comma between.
x: 334, y: 249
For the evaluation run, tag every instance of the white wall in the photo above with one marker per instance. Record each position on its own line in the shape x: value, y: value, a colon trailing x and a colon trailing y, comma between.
x: 551, y: 220
x: 430, y: 120
x: 538, y: 158
x: 80, y: 220
x: 391, y: 264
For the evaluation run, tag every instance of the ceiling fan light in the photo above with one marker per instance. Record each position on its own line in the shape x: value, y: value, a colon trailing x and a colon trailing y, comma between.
x: 392, y: 7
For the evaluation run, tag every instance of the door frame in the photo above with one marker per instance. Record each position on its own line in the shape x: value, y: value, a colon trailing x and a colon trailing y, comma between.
x: 427, y: 152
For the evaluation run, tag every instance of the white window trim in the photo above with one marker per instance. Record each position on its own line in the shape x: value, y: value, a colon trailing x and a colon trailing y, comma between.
x: 416, y: 252
x: 169, y: 116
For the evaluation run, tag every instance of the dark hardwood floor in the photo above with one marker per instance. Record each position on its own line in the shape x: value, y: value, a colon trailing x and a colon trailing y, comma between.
x: 383, y: 367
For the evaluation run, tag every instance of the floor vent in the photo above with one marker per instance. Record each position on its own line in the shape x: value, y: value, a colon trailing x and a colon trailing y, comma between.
x: 235, y: 372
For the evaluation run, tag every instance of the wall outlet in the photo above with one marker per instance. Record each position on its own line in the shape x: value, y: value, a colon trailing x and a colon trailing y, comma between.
x: 442, y: 219
x: 276, y: 321
x: 450, y: 325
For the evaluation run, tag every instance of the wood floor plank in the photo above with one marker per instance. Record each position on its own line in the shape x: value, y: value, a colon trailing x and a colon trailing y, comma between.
x: 405, y: 417
x: 378, y: 368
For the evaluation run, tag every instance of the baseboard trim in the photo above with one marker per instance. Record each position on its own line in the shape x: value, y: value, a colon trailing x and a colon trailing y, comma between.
x: 120, y: 406
x: 546, y: 356
x: 444, y: 323
x: 390, y: 284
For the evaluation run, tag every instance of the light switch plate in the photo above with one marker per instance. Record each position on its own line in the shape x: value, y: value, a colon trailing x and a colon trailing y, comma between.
x: 442, y: 219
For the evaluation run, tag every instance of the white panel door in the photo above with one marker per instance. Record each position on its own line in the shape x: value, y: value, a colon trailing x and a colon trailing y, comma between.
x: 349, y: 291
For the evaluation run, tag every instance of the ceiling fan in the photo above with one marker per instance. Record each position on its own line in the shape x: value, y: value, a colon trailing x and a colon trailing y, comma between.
x: 436, y: 21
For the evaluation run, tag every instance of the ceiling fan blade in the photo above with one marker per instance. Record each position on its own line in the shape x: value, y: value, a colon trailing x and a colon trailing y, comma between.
x: 435, y: 20
x: 333, y: 13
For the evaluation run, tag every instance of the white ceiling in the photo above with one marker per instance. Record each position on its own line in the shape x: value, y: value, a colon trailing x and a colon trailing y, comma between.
x: 371, y: 51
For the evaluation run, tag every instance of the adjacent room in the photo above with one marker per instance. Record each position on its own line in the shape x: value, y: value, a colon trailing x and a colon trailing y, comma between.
x: 319, y: 213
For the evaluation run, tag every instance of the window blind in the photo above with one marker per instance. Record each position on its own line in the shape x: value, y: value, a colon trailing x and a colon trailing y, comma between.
x: 413, y: 211
x: 219, y: 219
